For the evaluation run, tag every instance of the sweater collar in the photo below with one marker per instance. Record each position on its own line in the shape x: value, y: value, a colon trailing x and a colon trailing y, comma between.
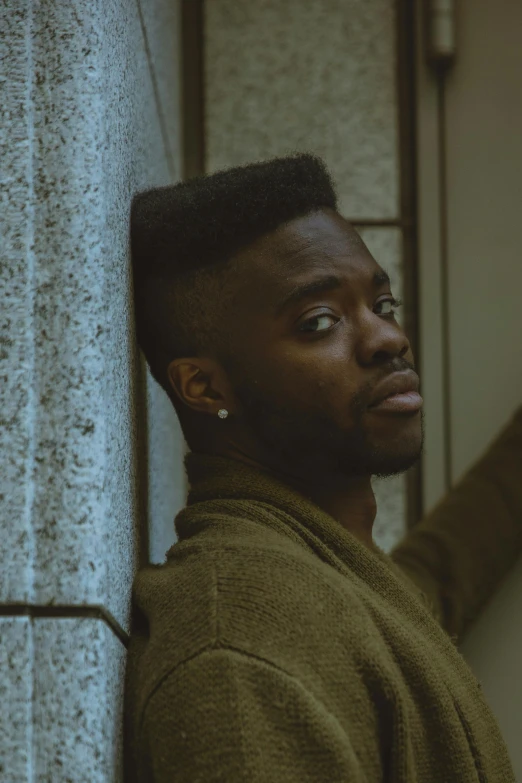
x: 215, y: 477
x: 217, y: 483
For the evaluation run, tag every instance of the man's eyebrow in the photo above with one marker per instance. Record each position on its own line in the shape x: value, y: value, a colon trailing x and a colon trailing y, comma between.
x: 381, y: 278
x: 321, y: 284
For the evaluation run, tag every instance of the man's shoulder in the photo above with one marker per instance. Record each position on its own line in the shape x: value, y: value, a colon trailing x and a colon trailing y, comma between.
x: 271, y: 598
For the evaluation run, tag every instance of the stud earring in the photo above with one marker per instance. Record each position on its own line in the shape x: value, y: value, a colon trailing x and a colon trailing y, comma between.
x: 222, y: 413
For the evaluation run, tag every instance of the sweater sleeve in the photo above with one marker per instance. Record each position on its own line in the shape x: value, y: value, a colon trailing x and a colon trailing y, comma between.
x: 228, y: 717
x: 459, y: 553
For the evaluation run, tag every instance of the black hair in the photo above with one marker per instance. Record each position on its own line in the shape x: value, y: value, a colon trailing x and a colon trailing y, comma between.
x: 183, y: 241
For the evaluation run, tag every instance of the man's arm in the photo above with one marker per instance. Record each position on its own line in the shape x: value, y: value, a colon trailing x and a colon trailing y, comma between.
x: 460, y: 552
x: 228, y: 717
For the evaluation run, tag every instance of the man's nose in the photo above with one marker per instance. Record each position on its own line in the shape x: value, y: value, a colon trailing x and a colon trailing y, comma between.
x: 381, y: 340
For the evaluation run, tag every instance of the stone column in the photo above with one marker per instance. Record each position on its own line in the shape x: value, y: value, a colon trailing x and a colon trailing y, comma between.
x: 89, y: 116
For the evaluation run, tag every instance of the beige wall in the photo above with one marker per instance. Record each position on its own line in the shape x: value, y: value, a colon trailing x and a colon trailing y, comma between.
x: 484, y: 153
x: 483, y: 97
x: 318, y: 76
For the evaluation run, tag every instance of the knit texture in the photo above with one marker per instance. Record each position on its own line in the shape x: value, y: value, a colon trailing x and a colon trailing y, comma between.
x: 273, y: 645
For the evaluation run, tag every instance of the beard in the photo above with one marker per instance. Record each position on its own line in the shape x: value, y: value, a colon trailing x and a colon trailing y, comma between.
x: 311, y: 441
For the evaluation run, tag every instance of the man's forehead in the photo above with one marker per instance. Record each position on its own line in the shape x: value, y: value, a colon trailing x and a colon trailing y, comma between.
x: 301, y: 245
x: 297, y: 257
x: 325, y: 233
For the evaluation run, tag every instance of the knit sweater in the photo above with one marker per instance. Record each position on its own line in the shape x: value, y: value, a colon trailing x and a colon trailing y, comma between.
x: 273, y: 646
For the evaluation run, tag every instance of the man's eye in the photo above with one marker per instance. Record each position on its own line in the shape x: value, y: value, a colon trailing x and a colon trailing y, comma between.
x: 392, y: 303
x: 390, y: 307
x: 316, y: 318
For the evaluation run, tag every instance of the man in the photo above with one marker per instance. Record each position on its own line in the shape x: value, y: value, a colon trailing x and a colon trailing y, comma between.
x: 278, y: 642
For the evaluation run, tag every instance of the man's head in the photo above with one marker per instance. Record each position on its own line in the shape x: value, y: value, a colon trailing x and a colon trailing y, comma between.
x: 217, y: 265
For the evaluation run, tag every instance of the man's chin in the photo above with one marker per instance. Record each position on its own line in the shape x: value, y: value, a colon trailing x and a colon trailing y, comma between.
x: 380, y: 460
x: 394, y: 466
x: 372, y: 463
x: 386, y: 460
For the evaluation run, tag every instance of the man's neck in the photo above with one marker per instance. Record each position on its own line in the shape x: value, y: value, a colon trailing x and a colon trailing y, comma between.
x: 350, y: 501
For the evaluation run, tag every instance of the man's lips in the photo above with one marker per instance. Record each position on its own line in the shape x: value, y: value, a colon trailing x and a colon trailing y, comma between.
x: 398, y: 393
x: 407, y: 402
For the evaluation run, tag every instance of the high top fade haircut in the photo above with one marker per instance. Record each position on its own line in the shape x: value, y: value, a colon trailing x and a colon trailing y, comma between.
x: 184, y: 238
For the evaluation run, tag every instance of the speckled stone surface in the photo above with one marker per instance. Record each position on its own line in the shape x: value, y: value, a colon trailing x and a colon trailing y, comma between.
x: 385, y: 244
x: 16, y: 692
x: 16, y: 270
x: 89, y: 137
x: 81, y: 131
x: 78, y: 701
x: 162, y: 30
x: 62, y: 701
x: 316, y: 75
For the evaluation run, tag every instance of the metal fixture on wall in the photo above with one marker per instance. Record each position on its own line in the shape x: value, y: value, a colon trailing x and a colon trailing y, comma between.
x: 440, y: 29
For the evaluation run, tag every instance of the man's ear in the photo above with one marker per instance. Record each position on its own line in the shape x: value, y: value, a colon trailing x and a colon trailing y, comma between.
x: 200, y: 384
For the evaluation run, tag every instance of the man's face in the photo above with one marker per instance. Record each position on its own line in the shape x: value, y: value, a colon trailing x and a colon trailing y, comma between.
x: 306, y: 371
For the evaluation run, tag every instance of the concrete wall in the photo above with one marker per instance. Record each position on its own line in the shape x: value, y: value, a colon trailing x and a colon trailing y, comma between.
x: 90, y: 110
x: 317, y: 76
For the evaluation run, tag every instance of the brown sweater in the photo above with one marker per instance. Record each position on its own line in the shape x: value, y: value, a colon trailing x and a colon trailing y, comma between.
x: 274, y: 647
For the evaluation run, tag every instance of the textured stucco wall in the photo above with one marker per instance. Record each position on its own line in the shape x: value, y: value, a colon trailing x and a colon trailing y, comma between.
x: 89, y: 115
x: 317, y: 76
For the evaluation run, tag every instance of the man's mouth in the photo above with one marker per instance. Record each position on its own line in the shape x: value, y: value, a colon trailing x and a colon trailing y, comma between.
x: 404, y: 402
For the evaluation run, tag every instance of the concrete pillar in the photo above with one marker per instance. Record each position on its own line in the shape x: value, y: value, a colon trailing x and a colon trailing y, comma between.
x: 90, y: 105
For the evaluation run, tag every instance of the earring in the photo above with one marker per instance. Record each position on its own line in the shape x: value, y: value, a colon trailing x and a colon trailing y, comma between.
x: 222, y: 413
